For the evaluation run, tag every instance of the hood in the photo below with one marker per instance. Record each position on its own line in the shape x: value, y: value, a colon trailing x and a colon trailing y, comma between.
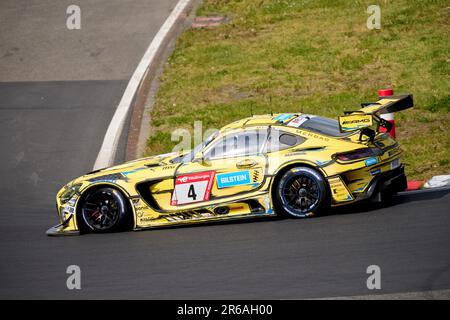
x: 159, y: 165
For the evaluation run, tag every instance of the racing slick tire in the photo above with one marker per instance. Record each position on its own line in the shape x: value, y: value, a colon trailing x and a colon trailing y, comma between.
x: 103, y: 210
x: 301, y: 192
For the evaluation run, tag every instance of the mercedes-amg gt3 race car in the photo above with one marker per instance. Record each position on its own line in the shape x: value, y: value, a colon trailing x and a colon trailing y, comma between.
x: 285, y: 164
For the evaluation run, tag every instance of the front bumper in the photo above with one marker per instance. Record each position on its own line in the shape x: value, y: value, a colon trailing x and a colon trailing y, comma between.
x: 67, y: 227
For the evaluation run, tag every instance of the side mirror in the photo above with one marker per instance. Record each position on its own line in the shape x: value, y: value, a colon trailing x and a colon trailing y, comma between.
x: 203, y: 161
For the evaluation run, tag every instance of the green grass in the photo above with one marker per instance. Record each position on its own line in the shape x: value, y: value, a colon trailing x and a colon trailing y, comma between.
x: 317, y: 57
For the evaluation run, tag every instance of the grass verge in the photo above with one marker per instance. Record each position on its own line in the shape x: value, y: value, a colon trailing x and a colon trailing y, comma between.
x: 316, y: 57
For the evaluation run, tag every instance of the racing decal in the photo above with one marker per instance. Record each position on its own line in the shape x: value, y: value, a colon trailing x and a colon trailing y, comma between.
x: 371, y: 161
x: 297, y: 122
x: 140, y: 210
x: 133, y: 171
x: 193, y: 187
x: 355, y: 122
x: 68, y: 209
x: 283, y: 117
x: 375, y: 172
x: 72, y: 201
x: 232, y: 179
x: 339, y: 190
x: 308, y: 134
x: 255, y: 175
x: 188, y: 215
x: 294, y: 154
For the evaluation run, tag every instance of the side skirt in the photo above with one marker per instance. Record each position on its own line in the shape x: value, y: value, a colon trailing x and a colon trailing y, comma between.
x: 206, y: 221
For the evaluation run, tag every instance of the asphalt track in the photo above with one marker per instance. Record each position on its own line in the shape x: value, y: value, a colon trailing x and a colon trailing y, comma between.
x: 52, y: 120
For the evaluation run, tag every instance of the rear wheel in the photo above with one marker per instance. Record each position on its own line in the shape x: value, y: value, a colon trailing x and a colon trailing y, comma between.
x: 104, y: 210
x: 301, y: 192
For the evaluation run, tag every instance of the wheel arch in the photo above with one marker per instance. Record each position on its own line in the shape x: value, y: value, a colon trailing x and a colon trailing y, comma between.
x: 292, y: 164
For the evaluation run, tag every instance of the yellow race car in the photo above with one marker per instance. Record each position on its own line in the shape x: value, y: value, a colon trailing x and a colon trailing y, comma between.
x: 285, y: 164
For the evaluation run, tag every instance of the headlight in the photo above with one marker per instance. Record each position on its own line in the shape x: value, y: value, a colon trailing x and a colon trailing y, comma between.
x: 70, y: 191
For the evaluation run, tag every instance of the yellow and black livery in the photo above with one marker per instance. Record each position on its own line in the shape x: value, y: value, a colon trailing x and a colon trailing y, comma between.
x: 292, y: 163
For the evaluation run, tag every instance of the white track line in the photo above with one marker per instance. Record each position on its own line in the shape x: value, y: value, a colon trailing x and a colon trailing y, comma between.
x: 108, y: 149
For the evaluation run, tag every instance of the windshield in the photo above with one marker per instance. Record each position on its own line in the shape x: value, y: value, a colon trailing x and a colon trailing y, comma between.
x: 329, y: 127
x: 237, y: 144
x: 188, y: 157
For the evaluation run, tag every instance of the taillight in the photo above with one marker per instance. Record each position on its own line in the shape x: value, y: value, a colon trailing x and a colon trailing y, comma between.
x: 359, y: 154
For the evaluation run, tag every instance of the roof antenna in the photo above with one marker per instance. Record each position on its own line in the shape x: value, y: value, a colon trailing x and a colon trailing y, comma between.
x: 251, y: 110
x: 270, y: 106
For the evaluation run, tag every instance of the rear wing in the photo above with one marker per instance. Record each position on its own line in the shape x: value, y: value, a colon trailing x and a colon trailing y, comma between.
x: 388, y: 104
x: 370, y: 112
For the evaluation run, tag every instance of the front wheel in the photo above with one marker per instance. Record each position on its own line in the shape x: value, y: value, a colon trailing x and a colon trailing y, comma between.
x: 301, y: 192
x: 104, y: 210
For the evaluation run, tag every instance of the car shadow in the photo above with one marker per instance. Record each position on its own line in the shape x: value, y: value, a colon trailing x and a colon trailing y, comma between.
x: 403, y: 197
x: 356, y: 208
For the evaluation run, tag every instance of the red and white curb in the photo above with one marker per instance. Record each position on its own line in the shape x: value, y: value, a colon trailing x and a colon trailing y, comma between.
x: 415, y: 185
x: 440, y: 181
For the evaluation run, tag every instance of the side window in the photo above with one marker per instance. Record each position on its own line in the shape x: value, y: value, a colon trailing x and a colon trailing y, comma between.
x: 237, y: 144
x: 280, y: 140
